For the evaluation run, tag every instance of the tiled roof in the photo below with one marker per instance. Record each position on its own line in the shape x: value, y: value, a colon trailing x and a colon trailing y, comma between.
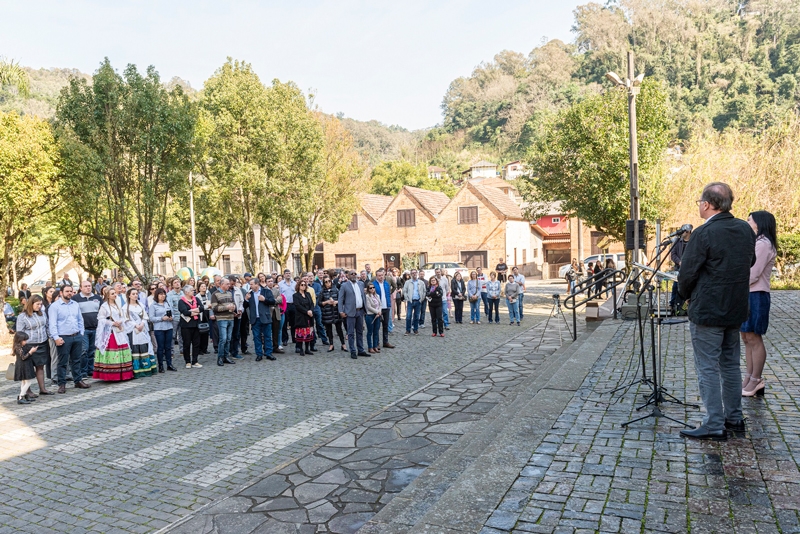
x: 433, y: 201
x: 375, y: 205
x: 483, y: 163
x: 496, y: 182
x: 501, y: 201
x: 434, y: 168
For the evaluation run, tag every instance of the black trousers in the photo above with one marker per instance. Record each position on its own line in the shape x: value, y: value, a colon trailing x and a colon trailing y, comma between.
x: 423, y: 306
x: 459, y: 307
x: 214, y: 333
x: 191, y: 344
x: 339, y: 332
x: 276, y: 333
x: 437, y: 323
x: 244, y: 329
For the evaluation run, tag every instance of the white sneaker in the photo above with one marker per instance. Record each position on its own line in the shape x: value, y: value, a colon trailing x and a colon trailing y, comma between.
x: 197, y: 366
x: 188, y: 365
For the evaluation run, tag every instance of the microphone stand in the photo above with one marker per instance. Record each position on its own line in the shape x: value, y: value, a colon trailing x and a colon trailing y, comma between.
x: 658, y: 394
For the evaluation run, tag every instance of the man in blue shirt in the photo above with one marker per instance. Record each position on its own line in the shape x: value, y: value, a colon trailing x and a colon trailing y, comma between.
x: 413, y: 293
x: 66, y: 329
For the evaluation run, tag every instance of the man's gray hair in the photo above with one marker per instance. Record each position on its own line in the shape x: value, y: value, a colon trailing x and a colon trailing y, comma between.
x: 187, y: 288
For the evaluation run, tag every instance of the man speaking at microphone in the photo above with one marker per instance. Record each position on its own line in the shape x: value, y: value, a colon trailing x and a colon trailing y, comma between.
x: 715, y: 278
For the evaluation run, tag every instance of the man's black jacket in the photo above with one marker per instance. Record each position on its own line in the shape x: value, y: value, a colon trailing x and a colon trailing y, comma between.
x: 715, y: 271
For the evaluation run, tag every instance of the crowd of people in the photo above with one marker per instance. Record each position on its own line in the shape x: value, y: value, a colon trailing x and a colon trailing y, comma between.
x: 112, y: 331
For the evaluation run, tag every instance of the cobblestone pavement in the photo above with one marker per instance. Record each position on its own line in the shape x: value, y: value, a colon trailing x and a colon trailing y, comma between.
x: 590, y: 474
x: 340, y: 486
x: 137, y: 456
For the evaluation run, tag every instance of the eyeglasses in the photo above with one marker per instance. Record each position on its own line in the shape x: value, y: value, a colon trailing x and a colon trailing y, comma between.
x: 699, y: 201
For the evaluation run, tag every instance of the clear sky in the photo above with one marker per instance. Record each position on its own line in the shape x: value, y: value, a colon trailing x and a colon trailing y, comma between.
x: 388, y: 61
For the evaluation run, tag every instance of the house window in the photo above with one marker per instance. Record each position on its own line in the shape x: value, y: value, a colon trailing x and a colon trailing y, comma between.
x: 354, y: 222
x: 556, y: 220
x: 536, y: 253
x: 473, y: 259
x: 524, y: 256
x: 406, y: 218
x: 468, y: 215
x: 182, y: 260
x: 226, y: 264
x: 203, y: 262
x: 345, y: 261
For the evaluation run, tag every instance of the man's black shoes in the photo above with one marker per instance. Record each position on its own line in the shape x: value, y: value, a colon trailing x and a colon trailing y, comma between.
x: 736, y: 426
x: 702, y: 433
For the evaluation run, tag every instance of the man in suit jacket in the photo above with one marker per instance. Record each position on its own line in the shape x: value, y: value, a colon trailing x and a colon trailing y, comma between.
x: 715, y: 277
x: 351, y: 308
x: 259, y: 301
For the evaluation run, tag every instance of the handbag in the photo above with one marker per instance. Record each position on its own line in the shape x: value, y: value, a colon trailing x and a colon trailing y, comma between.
x: 10, y: 371
x: 203, y: 327
x: 473, y: 298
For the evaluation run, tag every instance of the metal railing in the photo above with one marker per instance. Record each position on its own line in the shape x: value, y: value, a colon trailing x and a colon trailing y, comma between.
x: 607, y: 279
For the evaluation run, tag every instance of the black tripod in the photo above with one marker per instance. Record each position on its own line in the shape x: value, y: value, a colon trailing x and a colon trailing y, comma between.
x: 555, y: 311
x: 659, y: 394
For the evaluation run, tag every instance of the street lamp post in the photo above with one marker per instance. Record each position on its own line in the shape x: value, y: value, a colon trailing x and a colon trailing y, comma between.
x: 191, y: 217
x: 632, y: 85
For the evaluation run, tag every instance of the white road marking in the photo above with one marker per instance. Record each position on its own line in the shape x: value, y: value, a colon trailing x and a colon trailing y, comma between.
x: 45, y: 403
x: 165, y: 448
x: 77, y: 417
x: 243, y: 458
x: 132, y: 427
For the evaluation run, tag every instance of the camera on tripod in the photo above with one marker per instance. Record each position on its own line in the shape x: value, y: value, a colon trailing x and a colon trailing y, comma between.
x: 556, y: 296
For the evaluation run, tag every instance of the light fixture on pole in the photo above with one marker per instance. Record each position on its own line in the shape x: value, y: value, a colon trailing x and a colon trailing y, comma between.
x: 632, y: 85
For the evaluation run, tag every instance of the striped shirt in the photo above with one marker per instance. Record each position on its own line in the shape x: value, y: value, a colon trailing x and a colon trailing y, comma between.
x: 35, y: 326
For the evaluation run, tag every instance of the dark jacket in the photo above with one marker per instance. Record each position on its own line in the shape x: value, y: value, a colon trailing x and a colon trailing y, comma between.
x: 264, y: 308
x: 184, y: 310
x: 330, y: 313
x: 435, y: 296
x: 458, y: 289
x: 302, y: 305
x: 715, y: 271
x: 676, y: 253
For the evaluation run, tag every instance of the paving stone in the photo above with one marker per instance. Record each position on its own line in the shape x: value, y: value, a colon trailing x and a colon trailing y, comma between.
x: 310, y: 492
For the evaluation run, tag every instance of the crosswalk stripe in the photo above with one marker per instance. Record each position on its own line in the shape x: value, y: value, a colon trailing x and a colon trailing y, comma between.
x: 243, y: 458
x: 165, y: 448
x: 42, y: 405
x: 77, y: 417
x: 132, y: 427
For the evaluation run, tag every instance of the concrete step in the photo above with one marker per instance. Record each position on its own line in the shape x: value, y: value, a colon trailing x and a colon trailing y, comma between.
x: 459, y: 491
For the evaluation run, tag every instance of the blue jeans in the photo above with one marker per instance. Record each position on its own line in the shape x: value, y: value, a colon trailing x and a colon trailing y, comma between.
x: 225, y: 328
x: 716, y: 360
x: 87, y: 358
x: 164, y: 342
x: 373, y: 331
x: 520, y: 298
x: 283, y: 320
x: 70, y: 352
x: 513, y: 311
x: 485, y: 299
x: 412, y: 315
x: 475, y: 311
x: 320, y: 328
x: 262, y: 338
x: 494, y: 305
x: 233, y: 346
x: 446, y: 312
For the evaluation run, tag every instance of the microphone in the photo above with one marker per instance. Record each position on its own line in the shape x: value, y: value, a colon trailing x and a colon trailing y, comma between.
x: 680, y: 231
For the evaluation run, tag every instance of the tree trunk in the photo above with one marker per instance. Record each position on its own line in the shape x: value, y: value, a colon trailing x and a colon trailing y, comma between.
x: 52, y: 260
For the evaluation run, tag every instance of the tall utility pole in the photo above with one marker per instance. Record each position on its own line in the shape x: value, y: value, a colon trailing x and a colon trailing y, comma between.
x: 633, y: 90
x: 632, y: 86
x: 191, y: 218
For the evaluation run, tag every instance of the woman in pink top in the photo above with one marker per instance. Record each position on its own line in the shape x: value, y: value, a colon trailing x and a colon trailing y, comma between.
x: 763, y: 224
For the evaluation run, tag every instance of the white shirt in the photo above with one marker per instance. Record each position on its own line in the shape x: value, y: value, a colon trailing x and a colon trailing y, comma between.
x: 357, y: 291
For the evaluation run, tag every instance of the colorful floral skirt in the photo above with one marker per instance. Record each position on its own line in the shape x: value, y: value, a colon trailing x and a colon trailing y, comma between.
x: 144, y: 364
x: 113, y: 364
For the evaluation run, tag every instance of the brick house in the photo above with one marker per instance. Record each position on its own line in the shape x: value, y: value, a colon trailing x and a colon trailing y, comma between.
x: 478, y: 226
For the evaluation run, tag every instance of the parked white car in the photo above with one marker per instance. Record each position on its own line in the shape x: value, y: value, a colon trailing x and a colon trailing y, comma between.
x: 449, y: 267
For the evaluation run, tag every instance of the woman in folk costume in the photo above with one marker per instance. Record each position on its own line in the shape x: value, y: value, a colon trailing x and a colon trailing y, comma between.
x: 144, y: 363
x: 112, y: 359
